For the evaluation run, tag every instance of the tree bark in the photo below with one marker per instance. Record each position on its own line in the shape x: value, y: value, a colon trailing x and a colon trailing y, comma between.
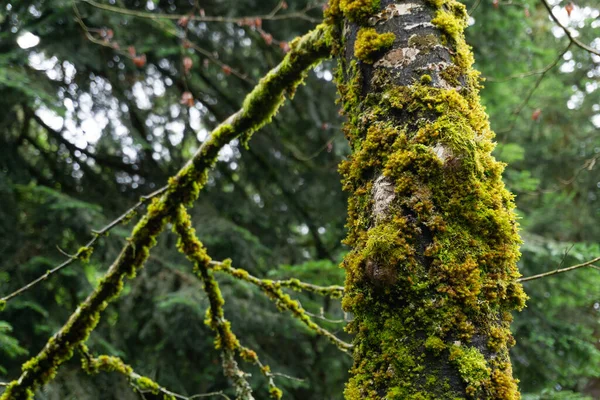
x: 431, y: 278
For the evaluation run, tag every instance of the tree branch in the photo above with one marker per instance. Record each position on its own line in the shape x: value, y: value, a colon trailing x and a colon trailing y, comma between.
x: 227, y: 342
x: 560, y: 270
x: 568, y: 32
x: 84, y: 252
x: 283, y: 301
x: 273, y: 16
x: 143, y: 384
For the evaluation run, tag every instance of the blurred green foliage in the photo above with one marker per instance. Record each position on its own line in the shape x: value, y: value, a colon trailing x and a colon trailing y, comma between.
x: 84, y: 132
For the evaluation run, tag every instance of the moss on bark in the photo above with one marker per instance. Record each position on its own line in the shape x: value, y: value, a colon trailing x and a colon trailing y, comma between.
x: 431, y: 278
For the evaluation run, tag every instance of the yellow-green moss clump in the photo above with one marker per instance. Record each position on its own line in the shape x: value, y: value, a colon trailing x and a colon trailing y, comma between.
x: 358, y: 10
x: 431, y: 278
x: 370, y: 43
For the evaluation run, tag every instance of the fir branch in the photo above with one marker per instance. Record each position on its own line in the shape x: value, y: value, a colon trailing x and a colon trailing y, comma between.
x: 258, y: 109
x: 85, y: 251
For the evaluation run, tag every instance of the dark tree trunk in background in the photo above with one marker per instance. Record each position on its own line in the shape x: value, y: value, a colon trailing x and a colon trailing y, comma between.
x: 431, y: 278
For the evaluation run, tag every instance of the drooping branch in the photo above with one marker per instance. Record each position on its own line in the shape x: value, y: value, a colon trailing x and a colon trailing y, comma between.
x: 227, y: 342
x: 139, y: 383
x: 258, y: 109
x: 194, y: 250
x: 283, y: 301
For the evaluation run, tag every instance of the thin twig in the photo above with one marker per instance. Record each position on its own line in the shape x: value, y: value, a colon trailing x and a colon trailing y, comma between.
x: 474, y: 7
x: 293, y: 378
x: 324, y: 318
x: 543, y: 73
x: 529, y: 73
x: 199, y: 49
x: 573, y: 40
x: 588, y: 164
x: 270, y: 16
x: 561, y: 270
x: 89, y: 245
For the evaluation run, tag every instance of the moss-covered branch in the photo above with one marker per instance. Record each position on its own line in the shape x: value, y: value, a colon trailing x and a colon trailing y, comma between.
x: 282, y: 300
x: 194, y: 250
x: 139, y: 383
x: 334, y: 291
x: 227, y: 342
x: 258, y: 109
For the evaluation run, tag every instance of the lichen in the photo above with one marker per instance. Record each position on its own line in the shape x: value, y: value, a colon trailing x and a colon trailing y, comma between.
x: 423, y: 42
x: 369, y: 43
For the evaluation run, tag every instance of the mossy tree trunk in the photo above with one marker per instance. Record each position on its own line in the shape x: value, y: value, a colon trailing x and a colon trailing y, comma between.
x: 431, y: 278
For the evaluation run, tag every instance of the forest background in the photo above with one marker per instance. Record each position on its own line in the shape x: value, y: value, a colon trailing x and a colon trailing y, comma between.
x: 100, y: 106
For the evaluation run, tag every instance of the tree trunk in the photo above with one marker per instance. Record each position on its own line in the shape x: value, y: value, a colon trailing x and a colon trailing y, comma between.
x: 431, y: 278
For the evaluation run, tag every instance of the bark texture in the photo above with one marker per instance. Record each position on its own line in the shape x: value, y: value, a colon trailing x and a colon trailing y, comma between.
x: 431, y: 278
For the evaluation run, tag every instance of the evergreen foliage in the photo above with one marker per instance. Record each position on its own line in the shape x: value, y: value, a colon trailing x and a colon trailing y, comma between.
x: 105, y: 106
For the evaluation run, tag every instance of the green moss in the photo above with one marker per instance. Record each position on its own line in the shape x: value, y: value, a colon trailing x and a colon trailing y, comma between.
x: 369, y: 43
x: 147, y: 384
x: 435, y: 344
x: 2, y: 305
x: 358, y: 10
x: 472, y: 366
x: 425, y: 79
x: 84, y: 254
x: 275, y: 393
x: 452, y: 74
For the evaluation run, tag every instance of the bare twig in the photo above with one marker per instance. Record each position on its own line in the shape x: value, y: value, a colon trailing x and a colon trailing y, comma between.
x: 86, y: 250
x: 324, y: 318
x: 273, y: 16
x: 474, y: 7
x: 588, y: 164
x: 569, y: 34
x: 199, y: 49
x: 561, y: 270
x: 542, y: 74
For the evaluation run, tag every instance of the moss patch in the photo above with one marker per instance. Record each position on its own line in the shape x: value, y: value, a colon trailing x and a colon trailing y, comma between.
x: 369, y: 43
x: 358, y: 10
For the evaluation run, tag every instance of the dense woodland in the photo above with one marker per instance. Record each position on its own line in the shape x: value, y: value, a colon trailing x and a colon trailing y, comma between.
x: 102, y: 101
